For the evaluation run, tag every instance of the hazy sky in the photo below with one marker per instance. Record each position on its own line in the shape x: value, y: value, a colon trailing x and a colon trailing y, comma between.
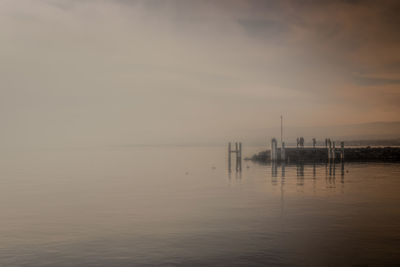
x: 133, y: 72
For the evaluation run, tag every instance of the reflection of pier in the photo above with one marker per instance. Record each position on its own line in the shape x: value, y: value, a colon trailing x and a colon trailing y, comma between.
x: 300, y: 173
x: 330, y: 171
x: 306, y: 173
x: 330, y: 179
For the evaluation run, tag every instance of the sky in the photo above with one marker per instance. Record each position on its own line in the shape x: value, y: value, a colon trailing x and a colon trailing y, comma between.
x: 119, y: 72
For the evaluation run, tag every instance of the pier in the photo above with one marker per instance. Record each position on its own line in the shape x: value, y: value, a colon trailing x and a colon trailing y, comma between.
x: 329, y: 152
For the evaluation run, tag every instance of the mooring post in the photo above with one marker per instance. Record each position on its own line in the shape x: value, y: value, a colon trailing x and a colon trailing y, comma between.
x: 313, y: 143
x: 283, y: 155
x: 328, y: 141
x: 236, y: 150
x: 334, y: 151
x: 229, y: 156
x: 273, y: 149
x: 239, y: 155
x: 342, y: 151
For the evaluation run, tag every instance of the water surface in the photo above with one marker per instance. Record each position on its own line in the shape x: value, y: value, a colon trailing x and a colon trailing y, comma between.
x: 180, y: 206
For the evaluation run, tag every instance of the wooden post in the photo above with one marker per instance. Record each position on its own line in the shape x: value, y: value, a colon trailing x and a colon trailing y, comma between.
x: 342, y: 151
x: 328, y: 141
x: 273, y: 149
x: 334, y: 151
x: 283, y: 155
x: 229, y: 156
x: 240, y: 156
x: 236, y: 150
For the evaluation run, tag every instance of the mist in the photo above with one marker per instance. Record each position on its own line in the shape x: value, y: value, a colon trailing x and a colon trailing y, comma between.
x: 90, y: 73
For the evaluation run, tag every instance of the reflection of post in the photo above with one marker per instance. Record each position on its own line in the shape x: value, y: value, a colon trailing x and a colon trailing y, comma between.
x: 326, y: 172
x: 314, y: 177
x: 334, y: 168
x: 314, y: 171
x: 282, y: 188
x: 274, y: 169
x: 302, y: 170
x: 326, y: 169
x: 274, y: 173
x: 331, y: 178
x: 300, y: 173
x: 283, y: 156
x: 238, y: 175
x: 342, y: 171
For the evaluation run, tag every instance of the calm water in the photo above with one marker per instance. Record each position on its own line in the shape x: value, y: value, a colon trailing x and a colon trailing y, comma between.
x: 179, y: 206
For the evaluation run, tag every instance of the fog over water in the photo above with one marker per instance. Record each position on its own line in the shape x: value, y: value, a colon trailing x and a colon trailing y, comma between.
x: 89, y: 73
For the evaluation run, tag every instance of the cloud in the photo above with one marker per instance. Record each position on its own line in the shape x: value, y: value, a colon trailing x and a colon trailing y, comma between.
x: 139, y: 71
